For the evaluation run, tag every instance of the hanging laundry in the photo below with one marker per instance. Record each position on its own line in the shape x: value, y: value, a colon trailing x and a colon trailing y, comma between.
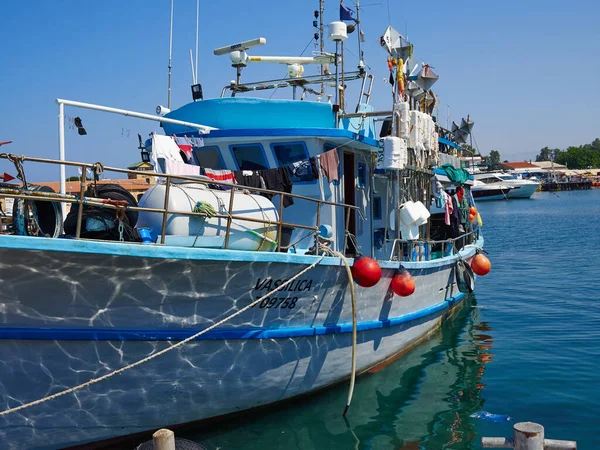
x: 181, y: 168
x: 454, y: 217
x: 249, y: 178
x: 185, y: 146
x: 278, y: 180
x: 225, y: 176
x: 329, y: 164
x: 305, y: 170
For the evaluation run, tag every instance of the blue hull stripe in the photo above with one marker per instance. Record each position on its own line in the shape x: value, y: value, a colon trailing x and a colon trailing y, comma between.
x: 200, y: 254
x: 84, y: 334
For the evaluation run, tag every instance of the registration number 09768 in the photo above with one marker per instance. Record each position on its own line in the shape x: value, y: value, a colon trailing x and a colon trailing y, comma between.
x: 278, y: 302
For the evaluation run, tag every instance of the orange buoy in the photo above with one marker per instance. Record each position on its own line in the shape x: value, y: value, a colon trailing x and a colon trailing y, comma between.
x: 471, y: 217
x: 472, y: 210
x: 403, y: 284
x: 480, y: 264
x: 366, y: 272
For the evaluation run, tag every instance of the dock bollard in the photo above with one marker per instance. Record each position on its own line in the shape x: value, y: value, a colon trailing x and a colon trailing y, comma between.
x: 528, y: 436
x: 163, y: 439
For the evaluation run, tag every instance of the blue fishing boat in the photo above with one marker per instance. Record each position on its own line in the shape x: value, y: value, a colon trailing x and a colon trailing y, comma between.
x: 287, y: 246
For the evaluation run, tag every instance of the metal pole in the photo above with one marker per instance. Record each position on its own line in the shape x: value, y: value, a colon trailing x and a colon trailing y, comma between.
x: 201, y: 128
x: 61, y: 150
x: 337, y: 73
x: 360, y: 56
x: 197, y: 24
x: 322, y: 45
x: 170, y: 55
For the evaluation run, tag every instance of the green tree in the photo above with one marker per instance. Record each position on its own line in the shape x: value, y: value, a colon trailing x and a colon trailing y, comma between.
x: 494, y: 158
x: 547, y: 154
x: 596, y: 144
x: 582, y: 157
x: 73, y: 178
x: 467, y: 150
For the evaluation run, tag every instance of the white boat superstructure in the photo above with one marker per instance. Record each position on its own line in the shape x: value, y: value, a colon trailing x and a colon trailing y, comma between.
x: 521, y: 188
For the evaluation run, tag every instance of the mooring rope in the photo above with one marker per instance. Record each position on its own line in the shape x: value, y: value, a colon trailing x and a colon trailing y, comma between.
x: 354, y: 332
x: 163, y: 351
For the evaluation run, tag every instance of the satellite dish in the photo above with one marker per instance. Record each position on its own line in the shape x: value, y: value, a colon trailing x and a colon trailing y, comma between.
x: 426, y: 77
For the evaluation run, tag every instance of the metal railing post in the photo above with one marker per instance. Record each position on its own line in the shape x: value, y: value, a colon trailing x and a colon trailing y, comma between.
x: 80, y: 203
x: 280, y: 224
x: 229, y: 219
x: 163, y: 231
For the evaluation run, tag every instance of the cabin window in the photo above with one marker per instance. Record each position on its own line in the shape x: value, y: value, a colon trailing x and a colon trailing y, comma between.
x: 289, y: 153
x: 250, y: 156
x: 209, y: 157
x: 362, y: 175
x: 377, y: 208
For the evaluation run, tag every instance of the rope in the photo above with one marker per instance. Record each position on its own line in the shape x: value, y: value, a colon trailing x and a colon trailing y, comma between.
x: 353, y: 297
x: 163, y: 351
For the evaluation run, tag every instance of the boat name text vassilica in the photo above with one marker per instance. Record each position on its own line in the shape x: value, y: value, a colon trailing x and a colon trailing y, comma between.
x: 297, y: 285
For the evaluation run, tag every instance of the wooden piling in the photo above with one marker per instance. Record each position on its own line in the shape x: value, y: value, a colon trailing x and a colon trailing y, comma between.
x: 163, y: 439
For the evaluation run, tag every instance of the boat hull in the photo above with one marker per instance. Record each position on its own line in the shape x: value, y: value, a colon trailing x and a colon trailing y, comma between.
x: 523, y: 190
x: 95, y: 307
x: 488, y: 193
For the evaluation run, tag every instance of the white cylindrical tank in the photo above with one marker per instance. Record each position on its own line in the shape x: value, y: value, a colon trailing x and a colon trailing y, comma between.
x: 245, y: 235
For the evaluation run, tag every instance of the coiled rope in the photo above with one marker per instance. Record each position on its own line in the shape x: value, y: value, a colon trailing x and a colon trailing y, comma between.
x: 168, y: 349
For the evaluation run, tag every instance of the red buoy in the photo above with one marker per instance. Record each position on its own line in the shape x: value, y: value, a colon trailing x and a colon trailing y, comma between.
x: 366, y: 272
x: 403, y: 284
x: 481, y: 265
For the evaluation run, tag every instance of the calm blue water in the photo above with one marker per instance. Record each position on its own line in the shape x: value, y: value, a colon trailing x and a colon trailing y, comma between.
x: 527, y: 346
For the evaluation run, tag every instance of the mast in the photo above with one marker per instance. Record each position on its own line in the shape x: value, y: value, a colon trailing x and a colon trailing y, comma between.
x: 170, y: 56
x: 360, y: 55
x: 322, y: 48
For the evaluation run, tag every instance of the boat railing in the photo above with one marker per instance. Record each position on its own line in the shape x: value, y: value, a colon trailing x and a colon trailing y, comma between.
x: 23, y: 192
x: 422, y: 250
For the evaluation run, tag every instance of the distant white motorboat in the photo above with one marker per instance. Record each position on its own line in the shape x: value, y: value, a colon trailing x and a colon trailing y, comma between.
x: 482, y: 191
x: 520, y: 188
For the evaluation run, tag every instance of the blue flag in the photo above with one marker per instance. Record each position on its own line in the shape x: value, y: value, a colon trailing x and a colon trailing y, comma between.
x: 346, y: 13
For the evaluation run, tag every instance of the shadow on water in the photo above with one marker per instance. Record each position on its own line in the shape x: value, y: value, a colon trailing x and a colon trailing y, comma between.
x: 422, y: 401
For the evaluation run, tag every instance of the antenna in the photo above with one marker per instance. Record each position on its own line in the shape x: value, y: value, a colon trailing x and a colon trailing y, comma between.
x: 197, y: 24
x: 240, y: 46
x: 170, y: 55
x: 192, y: 64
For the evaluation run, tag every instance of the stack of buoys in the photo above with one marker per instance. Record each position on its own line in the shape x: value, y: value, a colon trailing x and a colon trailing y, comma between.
x: 480, y: 264
x: 472, y: 214
x: 403, y: 283
x: 366, y: 272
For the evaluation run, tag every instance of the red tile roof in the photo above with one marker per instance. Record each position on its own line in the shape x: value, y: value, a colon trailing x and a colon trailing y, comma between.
x: 520, y: 165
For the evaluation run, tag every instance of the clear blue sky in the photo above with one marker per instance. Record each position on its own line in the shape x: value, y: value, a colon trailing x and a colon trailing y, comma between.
x: 526, y: 71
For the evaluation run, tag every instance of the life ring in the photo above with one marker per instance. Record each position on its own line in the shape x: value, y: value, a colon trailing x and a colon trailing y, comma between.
x: 465, y: 280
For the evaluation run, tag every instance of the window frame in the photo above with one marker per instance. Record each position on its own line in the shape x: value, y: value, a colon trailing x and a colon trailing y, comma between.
x: 377, y: 208
x: 253, y: 144
x: 306, y: 153
x: 194, y: 149
x: 361, y: 165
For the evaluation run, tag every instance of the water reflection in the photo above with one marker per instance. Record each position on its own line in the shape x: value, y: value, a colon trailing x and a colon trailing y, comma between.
x: 422, y: 401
